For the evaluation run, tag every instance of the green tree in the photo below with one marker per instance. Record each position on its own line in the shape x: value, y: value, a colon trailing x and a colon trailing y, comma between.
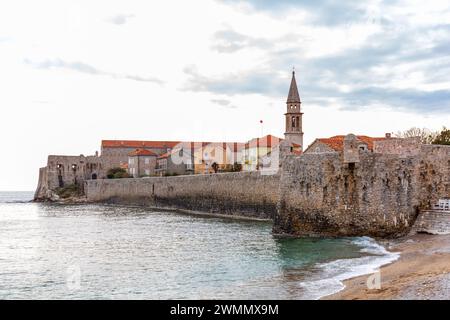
x: 443, y: 137
x: 117, y: 173
x: 237, y: 167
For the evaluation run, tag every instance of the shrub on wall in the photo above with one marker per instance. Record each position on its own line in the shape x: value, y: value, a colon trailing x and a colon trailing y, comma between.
x: 236, y: 167
x: 69, y: 191
x: 169, y: 174
x: 117, y: 173
x: 443, y: 137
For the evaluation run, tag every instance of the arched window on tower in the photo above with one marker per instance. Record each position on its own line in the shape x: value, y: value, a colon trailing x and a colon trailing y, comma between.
x: 293, y: 122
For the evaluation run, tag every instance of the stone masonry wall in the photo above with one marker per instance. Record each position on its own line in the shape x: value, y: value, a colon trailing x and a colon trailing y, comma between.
x: 400, y: 146
x: 241, y: 193
x: 63, y: 171
x: 379, y: 195
x: 433, y: 174
x: 433, y: 222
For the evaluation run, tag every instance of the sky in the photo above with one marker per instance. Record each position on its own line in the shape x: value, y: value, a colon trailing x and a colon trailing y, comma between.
x: 75, y: 72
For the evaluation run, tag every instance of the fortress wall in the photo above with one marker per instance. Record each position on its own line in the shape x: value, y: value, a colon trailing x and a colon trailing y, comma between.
x: 42, y: 187
x: 434, y: 174
x: 241, y: 193
x: 85, y: 167
x: 433, y: 222
x: 60, y: 172
x: 378, y: 195
x: 320, y: 195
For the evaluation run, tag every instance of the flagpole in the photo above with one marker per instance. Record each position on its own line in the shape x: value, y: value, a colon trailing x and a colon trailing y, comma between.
x: 257, y: 146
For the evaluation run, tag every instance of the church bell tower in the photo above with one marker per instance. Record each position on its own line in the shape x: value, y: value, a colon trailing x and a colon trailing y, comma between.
x: 293, y: 115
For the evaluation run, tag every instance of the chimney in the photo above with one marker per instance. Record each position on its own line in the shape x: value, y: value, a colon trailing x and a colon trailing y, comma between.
x: 388, y: 135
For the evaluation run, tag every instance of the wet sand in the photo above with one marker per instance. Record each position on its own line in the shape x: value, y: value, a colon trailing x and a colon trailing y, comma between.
x: 422, y: 272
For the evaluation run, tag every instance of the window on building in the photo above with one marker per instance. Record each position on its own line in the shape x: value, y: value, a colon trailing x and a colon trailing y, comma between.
x: 162, y: 164
x: 147, y: 160
x: 293, y: 122
x: 147, y: 172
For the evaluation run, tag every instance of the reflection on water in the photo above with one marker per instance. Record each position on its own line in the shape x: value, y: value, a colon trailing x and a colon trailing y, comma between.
x: 96, y: 251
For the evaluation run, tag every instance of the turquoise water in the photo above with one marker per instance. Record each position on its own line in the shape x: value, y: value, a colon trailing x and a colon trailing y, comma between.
x: 104, y: 252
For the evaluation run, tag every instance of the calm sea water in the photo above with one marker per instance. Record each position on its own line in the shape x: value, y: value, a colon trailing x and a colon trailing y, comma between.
x: 104, y: 252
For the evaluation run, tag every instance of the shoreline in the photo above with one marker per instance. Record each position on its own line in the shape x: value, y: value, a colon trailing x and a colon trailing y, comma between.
x: 421, y: 272
x: 83, y: 201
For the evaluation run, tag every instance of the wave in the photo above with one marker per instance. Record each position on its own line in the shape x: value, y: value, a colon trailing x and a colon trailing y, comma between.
x: 332, y: 274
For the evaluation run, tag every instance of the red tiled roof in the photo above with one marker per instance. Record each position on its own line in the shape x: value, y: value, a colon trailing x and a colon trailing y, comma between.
x: 142, y: 152
x: 337, y: 142
x: 164, y: 155
x: 138, y: 144
x: 266, y: 141
x: 167, y: 144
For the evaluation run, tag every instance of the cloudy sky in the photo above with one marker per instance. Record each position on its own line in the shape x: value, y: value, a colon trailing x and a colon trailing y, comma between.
x: 75, y: 72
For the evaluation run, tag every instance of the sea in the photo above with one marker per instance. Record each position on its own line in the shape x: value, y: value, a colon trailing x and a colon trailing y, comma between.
x: 54, y: 251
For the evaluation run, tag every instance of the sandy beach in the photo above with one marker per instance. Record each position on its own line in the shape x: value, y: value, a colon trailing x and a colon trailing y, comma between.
x: 421, y: 272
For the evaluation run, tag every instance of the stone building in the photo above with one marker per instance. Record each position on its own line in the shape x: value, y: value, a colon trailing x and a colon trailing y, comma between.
x: 177, y: 161
x: 219, y: 155
x: 115, y: 152
x: 64, y: 171
x: 141, y: 162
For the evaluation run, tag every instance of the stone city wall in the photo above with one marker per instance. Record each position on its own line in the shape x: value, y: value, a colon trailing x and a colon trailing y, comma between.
x: 241, y: 193
x: 377, y: 194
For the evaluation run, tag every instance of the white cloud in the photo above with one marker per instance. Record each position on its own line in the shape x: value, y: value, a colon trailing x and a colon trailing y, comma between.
x: 76, y: 72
